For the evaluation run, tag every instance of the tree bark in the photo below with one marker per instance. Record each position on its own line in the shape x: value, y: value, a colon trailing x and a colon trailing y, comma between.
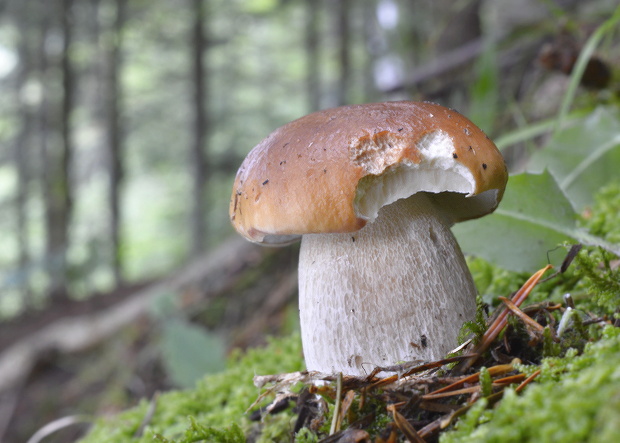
x: 61, y: 198
x: 342, y: 15
x: 371, y: 38
x: 57, y: 152
x: 22, y: 161
x: 42, y: 120
x: 115, y: 138
x: 198, y: 158
x: 312, y: 54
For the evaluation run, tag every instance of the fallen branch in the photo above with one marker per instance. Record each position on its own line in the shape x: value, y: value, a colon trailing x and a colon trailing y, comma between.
x: 78, y: 333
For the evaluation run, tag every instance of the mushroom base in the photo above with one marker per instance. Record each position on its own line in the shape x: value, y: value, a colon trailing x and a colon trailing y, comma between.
x: 397, y: 290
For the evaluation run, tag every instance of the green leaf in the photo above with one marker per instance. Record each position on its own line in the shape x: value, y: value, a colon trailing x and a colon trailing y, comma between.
x: 190, y: 352
x: 583, y: 157
x: 163, y: 306
x: 524, y: 232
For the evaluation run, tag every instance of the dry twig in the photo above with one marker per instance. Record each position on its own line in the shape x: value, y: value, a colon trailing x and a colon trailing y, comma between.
x: 501, y: 321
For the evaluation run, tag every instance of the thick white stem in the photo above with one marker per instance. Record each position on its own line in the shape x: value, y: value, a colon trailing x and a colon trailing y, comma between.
x: 397, y: 290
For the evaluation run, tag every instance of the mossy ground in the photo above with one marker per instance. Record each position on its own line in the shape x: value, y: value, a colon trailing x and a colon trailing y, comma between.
x: 575, y: 398
x: 215, y: 410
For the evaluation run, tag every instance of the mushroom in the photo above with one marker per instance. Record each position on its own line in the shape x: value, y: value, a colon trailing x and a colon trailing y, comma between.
x: 372, y: 191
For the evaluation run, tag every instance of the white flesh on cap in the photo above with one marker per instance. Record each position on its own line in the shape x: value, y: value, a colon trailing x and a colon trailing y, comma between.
x: 396, y: 290
x: 438, y: 171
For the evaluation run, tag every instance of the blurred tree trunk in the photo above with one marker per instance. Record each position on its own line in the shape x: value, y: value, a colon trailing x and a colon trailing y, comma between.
x: 113, y: 111
x: 198, y: 158
x: 312, y: 54
x: 372, y: 44
x: 342, y: 16
x: 462, y: 25
x: 22, y: 157
x: 56, y: 162
x: 42, y: 115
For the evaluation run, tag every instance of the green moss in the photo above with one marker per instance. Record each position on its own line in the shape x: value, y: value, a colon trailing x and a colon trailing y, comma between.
x: 485, y: 382
x: 575, y: 399
x: 599, y: 286
x: 305, y: 435
x: 198, y: 432
x: 492, y: 281
x: 603, y: 219
x: 216, y: 407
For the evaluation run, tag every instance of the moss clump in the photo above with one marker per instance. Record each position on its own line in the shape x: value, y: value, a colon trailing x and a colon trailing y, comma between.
x: 215, y: 410
x: 599, y: 285
x: 604, y: 218
x: 575, y: 399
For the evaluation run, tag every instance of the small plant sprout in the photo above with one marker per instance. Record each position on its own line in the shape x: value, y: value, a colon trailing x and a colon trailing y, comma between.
x: 372, y: 191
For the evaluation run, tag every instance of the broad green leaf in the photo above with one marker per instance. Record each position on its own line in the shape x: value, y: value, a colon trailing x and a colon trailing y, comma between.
x: 523, y: 234
x: 583, y: 157
x: 190, y: 352
x: 164, y: 306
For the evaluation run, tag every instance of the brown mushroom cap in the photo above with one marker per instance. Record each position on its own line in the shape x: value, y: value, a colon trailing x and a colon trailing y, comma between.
x: 311, y: 175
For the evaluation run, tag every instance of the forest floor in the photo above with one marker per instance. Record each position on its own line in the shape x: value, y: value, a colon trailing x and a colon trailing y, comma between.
x: 32, y: 321
x: 47, y: 387
x: 114, y: 370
